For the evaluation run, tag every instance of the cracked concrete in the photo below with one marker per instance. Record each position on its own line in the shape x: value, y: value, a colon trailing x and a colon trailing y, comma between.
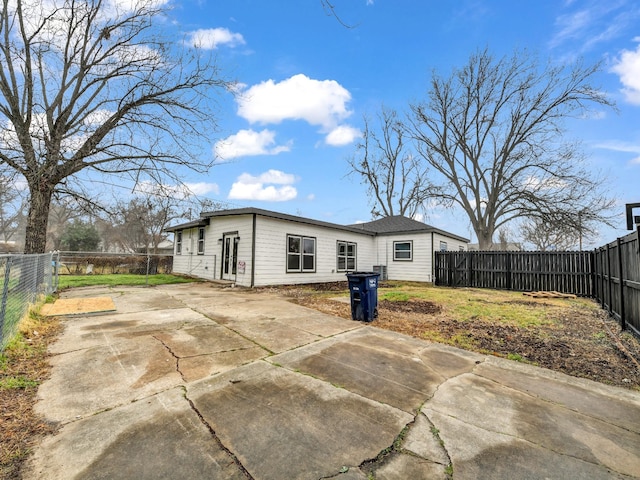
x: 198, y: 381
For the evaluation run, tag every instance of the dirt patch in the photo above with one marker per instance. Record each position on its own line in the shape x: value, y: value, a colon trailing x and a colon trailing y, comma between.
x: 413, y: 306
x: 76, y: 306
x: 583, y: 342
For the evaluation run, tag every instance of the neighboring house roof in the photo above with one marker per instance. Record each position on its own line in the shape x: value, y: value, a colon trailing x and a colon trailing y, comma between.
x: 399, y: 224
x: 383, y: 226
x: 201, y: 222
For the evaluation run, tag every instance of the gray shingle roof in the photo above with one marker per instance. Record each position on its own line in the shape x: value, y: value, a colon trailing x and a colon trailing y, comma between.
x: 384, y: 226
x: 399, y: 224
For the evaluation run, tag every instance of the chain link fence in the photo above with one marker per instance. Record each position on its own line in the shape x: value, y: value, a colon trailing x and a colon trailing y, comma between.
x: 103, y: 263
x: 23, y: 278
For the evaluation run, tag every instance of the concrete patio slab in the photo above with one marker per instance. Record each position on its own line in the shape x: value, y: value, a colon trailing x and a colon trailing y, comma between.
x: 510, y: 413
x: 96, y: 330
x: 160, y: 437
x: 479, y: 453
x: 91, y: 380
x: 181, y: 382
x: 281, y: 424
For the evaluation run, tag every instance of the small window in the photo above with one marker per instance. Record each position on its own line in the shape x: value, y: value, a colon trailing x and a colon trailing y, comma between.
x: 462, y: 248
x: 346, y: 256
x: 301, y: 254
x: 443, y: 246
x: 403, y: 251
x: 201, y: 241
x: 179, y: 243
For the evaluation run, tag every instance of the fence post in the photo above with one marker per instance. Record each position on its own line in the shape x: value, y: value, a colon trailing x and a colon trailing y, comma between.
x: 148, y: 262
x: 5, y: 294
x: 623, y: 322
x: 609, y: 282
x: 56, y: 271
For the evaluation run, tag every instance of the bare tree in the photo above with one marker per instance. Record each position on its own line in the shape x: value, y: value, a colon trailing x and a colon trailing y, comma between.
x: 61, y: 213
x: 397, y: 182
x: 12, y: 204
x: 140, y: 223
x: 493, y: 132
x: 557, y: 234
x: 92, y: 86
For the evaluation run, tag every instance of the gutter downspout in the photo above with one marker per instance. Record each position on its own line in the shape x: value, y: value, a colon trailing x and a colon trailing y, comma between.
x: 433, y: 257
x: 253, y: 251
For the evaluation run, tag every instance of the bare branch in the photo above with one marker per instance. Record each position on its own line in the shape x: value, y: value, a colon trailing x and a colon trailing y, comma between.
x: 493, y: 132
x: 93, y: 86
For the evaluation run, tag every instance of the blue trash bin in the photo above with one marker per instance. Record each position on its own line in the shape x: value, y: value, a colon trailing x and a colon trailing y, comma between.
x: 363, y: 289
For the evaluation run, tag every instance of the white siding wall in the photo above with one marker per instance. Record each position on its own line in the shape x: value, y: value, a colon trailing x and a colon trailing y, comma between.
x: 453, y: 245
x: 271, y: 252
x: 418, y: 269
x: 242, y: 224
x: 189, y: 262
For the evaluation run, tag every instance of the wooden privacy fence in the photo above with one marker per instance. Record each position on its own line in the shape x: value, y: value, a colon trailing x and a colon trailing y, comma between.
x: 566, y: 272
x: 617, y: 280
x: 609, y: 274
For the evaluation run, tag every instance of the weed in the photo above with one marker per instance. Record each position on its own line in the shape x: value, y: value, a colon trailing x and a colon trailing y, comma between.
x: 515, y: 356
x: 448, y: 470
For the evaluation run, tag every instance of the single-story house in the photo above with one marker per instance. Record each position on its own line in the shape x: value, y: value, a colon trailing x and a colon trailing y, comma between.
x: 255, y: 247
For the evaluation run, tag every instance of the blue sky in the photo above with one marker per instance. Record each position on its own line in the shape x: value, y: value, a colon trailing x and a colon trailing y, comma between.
x: 306, y: 81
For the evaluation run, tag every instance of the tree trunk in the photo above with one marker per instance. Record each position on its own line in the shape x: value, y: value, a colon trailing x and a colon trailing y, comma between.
x: 485, y: 240
x: 36, y: 231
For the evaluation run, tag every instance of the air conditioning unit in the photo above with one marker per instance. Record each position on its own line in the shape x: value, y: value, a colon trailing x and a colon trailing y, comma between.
x: 382, y: 270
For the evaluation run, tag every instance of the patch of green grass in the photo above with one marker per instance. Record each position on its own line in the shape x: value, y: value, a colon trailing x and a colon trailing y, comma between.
x: 515, y: 356
x: 494, y: 306
x: 8, y: 383
x: 394, y: 296
x: 69, y: 281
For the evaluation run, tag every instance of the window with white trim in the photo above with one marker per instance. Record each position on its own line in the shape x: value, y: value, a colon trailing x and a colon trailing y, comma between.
x: 201, y: 241
x: 301, y: 254
x: 179, y: 242
x: 443, y: 246
x: 403, y: 251
x: 346, y: 256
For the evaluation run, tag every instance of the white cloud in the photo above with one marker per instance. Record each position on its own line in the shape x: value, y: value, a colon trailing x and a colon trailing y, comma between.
x: 262, y: 187
x: 246, y: 143
x: 624, y: 147
x: 212, y: 38
x: 203, y: 188
x: 318, y: 102
x: 627, y: 67
x: 342, y: 135
x: 538, y: 184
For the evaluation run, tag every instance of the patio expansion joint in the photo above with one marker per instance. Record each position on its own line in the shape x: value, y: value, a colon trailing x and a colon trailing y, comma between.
x: 215, y: 437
